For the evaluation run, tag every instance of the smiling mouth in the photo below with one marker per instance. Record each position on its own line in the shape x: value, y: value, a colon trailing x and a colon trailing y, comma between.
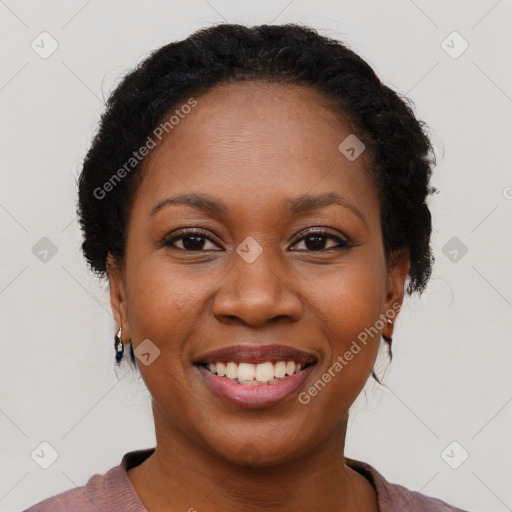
x: 261, y: 374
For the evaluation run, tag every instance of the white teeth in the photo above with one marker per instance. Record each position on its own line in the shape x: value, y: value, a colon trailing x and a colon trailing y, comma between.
x: 290, y: 367
x: 221, y: 369
x: 256, y: 374
x: 265, y: 372
x: 231, y: 370
x: 280, y: 369
x: 246, y: 371
x: 250, y: 382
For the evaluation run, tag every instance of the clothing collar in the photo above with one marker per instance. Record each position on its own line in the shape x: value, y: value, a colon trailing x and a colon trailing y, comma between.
x: 390, y: 497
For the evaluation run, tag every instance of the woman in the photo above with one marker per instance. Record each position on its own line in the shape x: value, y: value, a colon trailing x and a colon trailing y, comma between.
x: 256, y: 198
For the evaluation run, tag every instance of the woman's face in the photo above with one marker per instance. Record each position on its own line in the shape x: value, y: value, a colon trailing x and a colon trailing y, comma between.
x: 268, y: 249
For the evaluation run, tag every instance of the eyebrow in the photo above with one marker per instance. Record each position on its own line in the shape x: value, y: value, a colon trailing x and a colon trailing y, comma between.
x: 307, y: 203
x: 301, y: 204
x: 200, y: 201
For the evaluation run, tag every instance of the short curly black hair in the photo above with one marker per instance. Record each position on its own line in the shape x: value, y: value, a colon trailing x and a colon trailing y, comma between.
x: 401, y: 153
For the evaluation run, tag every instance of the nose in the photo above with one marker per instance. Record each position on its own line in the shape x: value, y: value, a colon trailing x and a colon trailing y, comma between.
x: 256, y: 293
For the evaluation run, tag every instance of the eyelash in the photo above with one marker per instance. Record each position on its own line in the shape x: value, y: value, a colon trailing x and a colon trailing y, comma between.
x: 342, y: 244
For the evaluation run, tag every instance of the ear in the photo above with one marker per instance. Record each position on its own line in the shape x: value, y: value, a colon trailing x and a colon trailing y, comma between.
x: 118, y: 297
x: 398, y: 270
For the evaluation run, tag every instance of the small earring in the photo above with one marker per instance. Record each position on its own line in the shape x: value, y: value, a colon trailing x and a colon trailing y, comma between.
x: 119, y: 347
x: 388, y: 339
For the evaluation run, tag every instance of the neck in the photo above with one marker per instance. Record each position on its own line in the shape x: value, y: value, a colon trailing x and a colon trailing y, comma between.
x: 192, y: 478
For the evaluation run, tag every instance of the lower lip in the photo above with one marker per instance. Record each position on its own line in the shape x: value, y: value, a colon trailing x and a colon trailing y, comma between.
x: 262, y: 396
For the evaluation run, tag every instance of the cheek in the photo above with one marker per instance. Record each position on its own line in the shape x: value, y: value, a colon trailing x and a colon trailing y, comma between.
x: 163, y: 304
x: 348, y: 298
x: 347, y: 303
x: 167, y: 304
x: 162, y: 300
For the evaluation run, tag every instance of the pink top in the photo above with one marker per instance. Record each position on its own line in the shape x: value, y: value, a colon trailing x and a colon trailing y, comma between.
x: 113, y: 492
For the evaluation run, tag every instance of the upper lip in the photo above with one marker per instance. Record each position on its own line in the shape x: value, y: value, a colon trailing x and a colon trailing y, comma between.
x: 256, y: 354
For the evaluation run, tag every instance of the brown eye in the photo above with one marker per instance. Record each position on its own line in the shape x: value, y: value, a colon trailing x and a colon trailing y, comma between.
x: 191, y: 241
x: 320, y: 241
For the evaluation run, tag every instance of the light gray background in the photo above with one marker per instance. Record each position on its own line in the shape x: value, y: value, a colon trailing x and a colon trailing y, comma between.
x: 450, y: 378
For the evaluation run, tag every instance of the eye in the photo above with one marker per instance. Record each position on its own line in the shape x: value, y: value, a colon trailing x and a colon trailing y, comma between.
x: 320, y: 240
x: 191, y: 241
x: 196, y: 240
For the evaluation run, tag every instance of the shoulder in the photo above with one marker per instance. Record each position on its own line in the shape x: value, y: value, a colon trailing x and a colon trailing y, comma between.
x: 393, y: 497
x: 412, y: 501
x: 91, y: 497
x: 111, y: 491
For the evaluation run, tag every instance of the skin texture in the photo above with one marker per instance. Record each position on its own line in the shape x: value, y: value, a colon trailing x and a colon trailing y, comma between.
x: 254, y: 146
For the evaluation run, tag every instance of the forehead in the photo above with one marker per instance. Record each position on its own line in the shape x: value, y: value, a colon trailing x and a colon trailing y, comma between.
x: 258, y: 141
